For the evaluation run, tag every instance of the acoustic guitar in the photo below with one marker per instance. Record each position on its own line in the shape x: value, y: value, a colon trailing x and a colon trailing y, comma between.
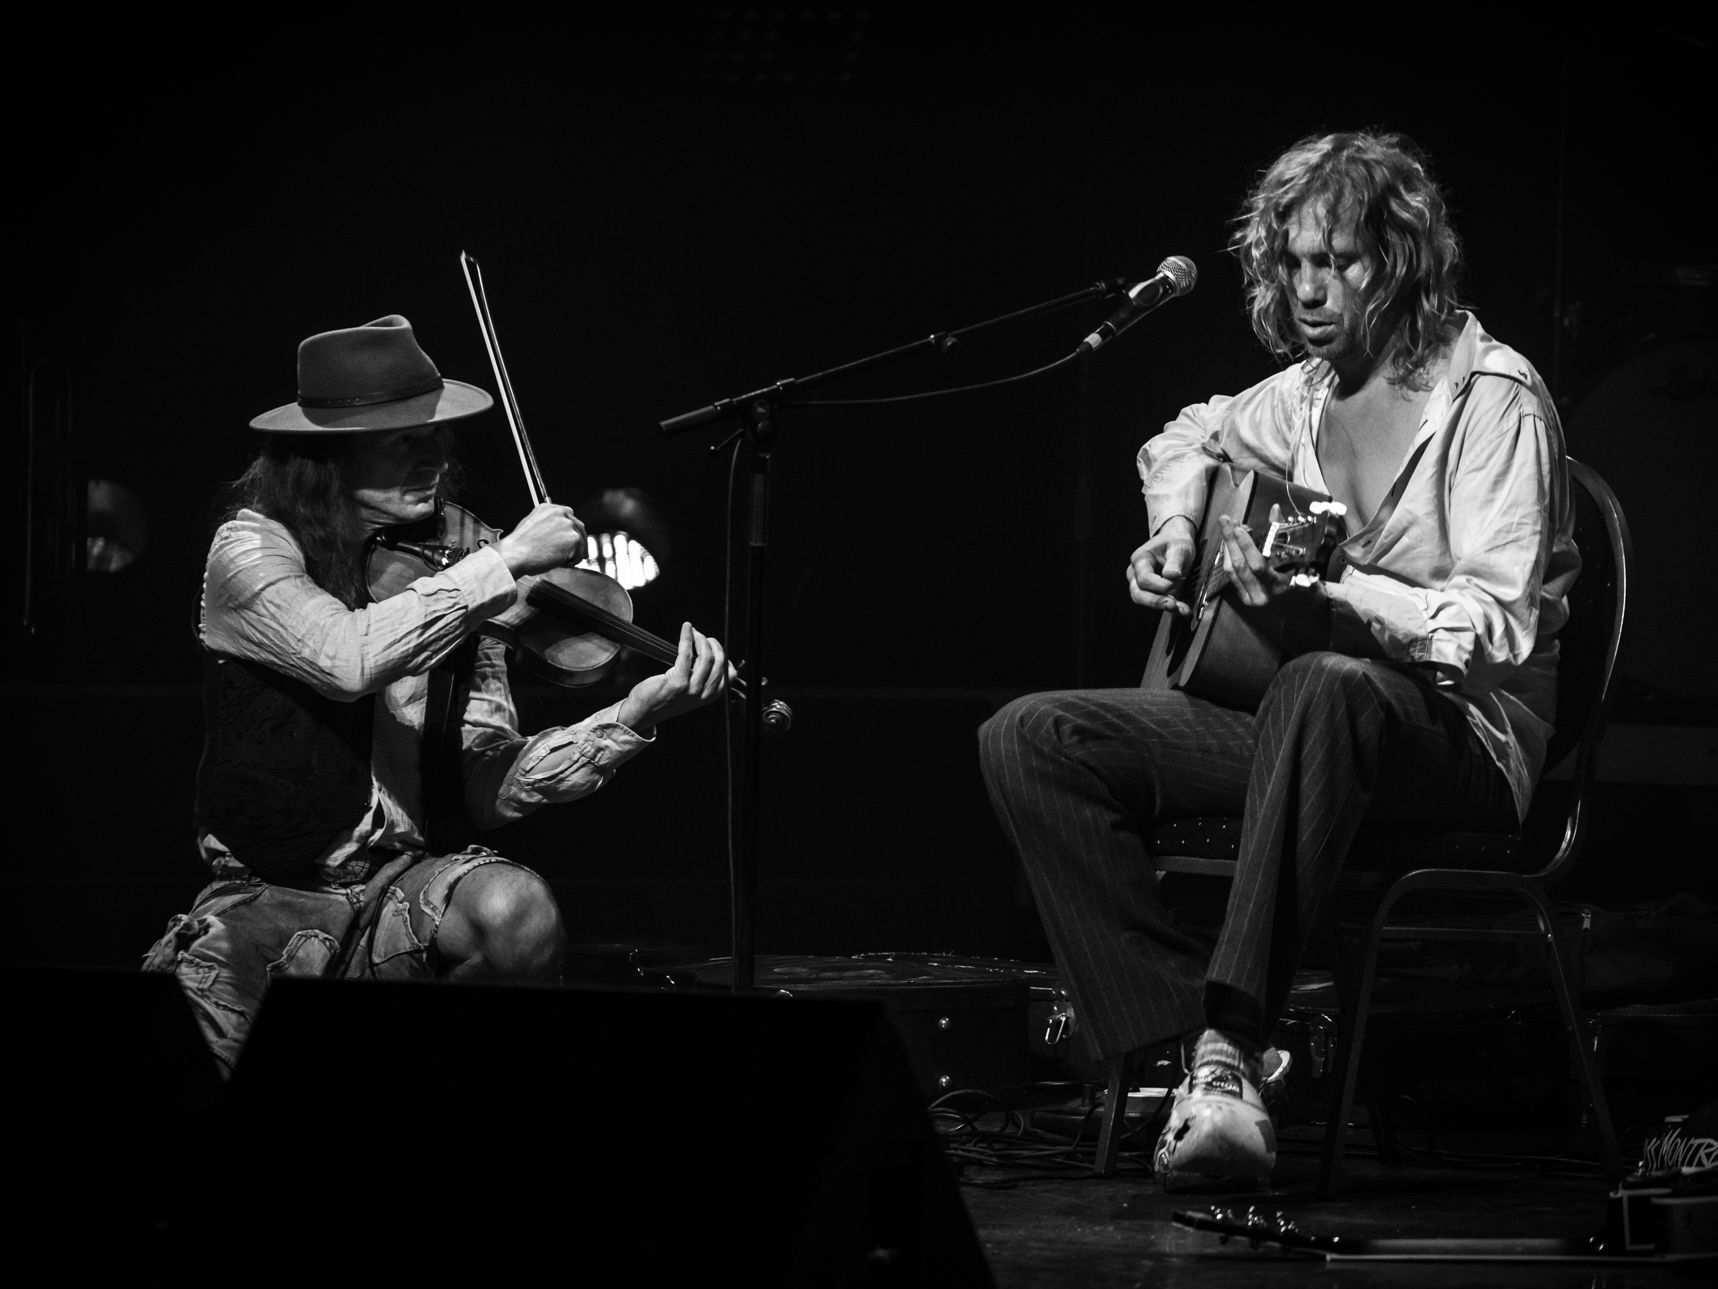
x: 1218, y: 651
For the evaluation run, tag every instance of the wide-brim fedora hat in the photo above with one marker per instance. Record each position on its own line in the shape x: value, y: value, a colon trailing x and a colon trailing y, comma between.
x: 373, y: 377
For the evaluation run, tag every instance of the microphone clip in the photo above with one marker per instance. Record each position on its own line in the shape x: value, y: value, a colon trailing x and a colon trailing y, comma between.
x: 1176, y: 276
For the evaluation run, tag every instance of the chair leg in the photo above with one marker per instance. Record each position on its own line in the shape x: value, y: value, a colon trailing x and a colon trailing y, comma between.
x: 1574, y: 1024
x: 1115, y: 1116
x: 1346, y: 974
x: 1351, y: 1031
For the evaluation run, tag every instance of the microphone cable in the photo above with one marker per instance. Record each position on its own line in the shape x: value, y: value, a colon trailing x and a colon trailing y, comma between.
x: 936, y: 393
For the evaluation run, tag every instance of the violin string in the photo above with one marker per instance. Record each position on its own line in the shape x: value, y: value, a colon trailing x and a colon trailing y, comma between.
x: 615, y: 627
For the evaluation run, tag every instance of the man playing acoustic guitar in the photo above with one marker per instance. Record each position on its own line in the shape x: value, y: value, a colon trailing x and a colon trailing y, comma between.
x: 1419, y: 683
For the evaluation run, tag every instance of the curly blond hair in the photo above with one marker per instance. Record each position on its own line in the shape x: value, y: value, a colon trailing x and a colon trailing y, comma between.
x: 1383, y: 183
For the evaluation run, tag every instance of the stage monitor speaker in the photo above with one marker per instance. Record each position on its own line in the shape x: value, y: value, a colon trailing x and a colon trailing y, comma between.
x: 669, y: 1138
x: 107, y: 1088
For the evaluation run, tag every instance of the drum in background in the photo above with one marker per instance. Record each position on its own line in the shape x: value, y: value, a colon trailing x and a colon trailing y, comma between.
x: 1650, y: 428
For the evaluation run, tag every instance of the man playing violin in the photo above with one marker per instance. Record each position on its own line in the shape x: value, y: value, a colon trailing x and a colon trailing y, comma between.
x: 351, y: 746
x: 1420, y: 684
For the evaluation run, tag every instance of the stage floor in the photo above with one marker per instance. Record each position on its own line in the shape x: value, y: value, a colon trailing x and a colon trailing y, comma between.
x: 722, y: 1135
x: 1048, y: 1221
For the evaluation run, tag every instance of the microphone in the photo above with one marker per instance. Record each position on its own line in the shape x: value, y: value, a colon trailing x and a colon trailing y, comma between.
x: 1175, y: 276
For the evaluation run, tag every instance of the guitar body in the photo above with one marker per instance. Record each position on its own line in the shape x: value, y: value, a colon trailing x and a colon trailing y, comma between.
x: 1219, y: 652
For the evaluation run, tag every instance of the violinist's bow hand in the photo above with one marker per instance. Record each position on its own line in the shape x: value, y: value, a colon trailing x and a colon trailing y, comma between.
x: 551, y: 536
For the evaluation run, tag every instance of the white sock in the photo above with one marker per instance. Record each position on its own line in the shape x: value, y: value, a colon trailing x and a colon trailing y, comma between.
x: 1214, y: 1047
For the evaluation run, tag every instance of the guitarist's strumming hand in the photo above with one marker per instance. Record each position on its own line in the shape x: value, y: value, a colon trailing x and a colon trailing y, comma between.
x: 1157, y: 568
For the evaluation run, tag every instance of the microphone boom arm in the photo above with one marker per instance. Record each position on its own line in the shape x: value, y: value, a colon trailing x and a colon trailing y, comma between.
x: 941, y: 341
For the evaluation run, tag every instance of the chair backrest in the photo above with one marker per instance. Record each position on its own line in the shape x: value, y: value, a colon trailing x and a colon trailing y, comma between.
x: 1588, y: 646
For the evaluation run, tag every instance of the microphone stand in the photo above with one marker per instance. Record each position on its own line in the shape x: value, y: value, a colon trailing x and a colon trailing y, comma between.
x: 756, y: 413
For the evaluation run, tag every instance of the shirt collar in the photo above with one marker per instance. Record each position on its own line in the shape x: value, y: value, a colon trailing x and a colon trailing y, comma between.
x: 1474, y: 354
x: 1477, y: 354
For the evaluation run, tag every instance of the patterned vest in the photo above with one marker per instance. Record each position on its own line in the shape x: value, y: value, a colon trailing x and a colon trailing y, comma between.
x: 285, y: 771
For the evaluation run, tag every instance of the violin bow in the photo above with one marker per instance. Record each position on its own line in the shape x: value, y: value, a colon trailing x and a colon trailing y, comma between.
x: 509, y: 404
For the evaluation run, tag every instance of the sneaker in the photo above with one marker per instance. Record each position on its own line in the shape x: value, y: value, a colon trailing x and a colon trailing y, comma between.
x: 1219, y: 1135
x: 1273, y: 1079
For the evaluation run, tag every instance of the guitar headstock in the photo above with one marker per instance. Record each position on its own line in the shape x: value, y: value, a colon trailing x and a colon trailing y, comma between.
x: 1257, y: 1228
x: 1301, y: 544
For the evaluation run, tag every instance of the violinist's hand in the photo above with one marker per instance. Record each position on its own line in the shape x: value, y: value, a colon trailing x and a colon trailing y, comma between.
x: 1157, y: 568
x: 551, y: 536
x: 700, y: 673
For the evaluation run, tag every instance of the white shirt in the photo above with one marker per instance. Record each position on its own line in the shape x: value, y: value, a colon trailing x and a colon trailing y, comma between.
x: 1466, y: 563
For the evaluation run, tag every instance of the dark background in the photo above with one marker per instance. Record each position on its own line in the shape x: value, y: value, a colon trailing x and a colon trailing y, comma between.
x: 693, y: 202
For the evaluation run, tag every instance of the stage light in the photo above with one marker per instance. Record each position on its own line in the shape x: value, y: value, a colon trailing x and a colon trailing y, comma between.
x: 625, y: 537
x: 622, y: 557
x: 117, y: 528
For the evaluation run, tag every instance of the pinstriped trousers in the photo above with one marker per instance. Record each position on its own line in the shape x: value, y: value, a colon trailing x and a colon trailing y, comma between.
x: 1078, y: 778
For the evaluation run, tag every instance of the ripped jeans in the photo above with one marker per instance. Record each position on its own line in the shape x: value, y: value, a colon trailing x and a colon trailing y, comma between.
x: 242, y: 932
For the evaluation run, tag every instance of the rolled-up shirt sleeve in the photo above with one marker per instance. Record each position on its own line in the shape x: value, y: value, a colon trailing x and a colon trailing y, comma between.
x: 569, y: 761
x: 508, y: 775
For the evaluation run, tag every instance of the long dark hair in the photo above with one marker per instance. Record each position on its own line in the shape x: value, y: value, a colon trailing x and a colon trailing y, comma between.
x: 299, y: 481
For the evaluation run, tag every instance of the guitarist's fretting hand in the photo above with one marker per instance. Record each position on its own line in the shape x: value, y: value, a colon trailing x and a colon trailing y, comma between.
x: 1158, y: 567
x: 1258, y: 584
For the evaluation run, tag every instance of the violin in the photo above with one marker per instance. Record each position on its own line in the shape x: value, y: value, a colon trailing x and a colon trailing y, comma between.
x: 566, y: 625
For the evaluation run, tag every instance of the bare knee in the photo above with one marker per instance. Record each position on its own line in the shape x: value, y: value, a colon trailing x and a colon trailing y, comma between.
x: 502, y: 921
